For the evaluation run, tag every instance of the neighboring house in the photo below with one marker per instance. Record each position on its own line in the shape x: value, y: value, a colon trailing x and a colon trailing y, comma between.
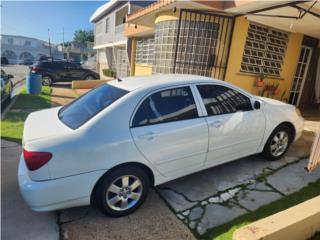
x: 269, y: 48
x: 19, y: 48
x: 113, y: 48
x: 77, y: 52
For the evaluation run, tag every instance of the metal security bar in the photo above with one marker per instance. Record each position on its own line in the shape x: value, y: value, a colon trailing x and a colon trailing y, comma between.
x: 203, y: 43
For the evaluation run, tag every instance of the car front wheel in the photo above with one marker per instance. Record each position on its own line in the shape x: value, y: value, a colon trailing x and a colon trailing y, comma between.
x: 122, y: 191
x: 278, y: 143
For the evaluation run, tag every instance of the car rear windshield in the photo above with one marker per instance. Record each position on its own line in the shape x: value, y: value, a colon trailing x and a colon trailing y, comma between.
x: 87, y: 106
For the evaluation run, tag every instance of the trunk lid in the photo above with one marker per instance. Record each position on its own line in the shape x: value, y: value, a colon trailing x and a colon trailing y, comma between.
x: 43, y: 124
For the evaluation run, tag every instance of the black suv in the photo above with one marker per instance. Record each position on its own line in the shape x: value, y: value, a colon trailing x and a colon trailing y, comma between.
x: 58, y: 70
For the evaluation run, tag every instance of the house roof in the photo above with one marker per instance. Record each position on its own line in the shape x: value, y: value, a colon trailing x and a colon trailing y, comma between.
x: 102, y: 10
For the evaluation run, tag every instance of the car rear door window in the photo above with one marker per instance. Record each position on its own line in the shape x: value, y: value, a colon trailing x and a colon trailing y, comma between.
x: 87, y: 106
x: 222, y: 100
x: 166, y: 106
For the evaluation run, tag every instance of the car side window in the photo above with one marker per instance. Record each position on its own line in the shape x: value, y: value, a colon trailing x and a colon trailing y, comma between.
x: 166, y: 106
x: 221, y: 100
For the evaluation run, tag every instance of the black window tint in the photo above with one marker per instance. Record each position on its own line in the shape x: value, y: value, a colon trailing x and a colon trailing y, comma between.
x: 166, y: 106
x: 82, y: 109
x: 221, y: 100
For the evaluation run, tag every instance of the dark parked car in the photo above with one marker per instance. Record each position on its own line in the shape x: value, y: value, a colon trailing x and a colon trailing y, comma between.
x: 26, y: 62
x: 57, y: 70
x: 6, y: 86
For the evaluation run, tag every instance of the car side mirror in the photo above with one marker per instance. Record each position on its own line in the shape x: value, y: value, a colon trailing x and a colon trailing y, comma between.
x: 256, y: 104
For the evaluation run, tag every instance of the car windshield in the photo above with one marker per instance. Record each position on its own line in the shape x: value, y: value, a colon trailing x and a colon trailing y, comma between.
x: 87, y: 106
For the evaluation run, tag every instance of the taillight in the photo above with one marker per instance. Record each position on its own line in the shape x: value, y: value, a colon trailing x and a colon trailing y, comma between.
x: 35, y: 68
x: 35, y: 160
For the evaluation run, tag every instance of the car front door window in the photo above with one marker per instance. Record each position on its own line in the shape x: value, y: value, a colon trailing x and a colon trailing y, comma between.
x: 222, y: 100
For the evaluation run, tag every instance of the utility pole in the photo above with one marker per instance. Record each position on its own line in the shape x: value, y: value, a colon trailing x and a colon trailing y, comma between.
x: 50, y: 54
x: 63, y: 49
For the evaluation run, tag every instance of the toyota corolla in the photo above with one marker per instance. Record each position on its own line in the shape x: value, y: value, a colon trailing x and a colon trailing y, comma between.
x: 110, y: 145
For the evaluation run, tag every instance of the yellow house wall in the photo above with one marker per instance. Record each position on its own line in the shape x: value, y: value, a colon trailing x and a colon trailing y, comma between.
x: 142, y: 69
x: 247, y: 81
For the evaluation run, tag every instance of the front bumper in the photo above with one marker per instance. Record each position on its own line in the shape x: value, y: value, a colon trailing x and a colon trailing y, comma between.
x: 58, y: 193
x: 299, y: 126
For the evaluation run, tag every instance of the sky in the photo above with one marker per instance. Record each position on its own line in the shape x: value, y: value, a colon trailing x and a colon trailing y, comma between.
x: 34, y: 18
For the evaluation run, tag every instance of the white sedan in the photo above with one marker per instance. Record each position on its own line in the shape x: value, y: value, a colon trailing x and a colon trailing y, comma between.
x: 110, y: 145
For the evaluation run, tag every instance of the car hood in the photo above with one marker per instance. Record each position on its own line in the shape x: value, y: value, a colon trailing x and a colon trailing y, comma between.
x: 43, y: 124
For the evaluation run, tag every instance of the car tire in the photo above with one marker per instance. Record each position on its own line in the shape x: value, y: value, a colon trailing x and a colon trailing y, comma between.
x: 278, y: 143
x: 122, y: 191
x: 89, y: 77
x: 47, y: 80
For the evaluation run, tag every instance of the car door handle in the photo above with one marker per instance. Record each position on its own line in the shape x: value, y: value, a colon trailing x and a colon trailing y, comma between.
x: 216, y: 124
x: 147, y: 136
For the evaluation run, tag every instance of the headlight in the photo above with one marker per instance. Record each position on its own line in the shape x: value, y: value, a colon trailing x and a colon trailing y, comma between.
x: 298, y: 112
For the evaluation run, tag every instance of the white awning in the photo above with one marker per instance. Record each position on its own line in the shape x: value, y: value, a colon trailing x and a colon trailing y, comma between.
x: 307, y: 16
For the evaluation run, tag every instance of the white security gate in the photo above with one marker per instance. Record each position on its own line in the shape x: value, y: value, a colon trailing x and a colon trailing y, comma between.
x: 300, y: 75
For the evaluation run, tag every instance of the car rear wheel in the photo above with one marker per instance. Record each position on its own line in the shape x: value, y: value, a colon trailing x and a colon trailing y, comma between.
x: 89, y: 77
x: 278, y: 143
x: 47, y: 81
x: 122, y: 191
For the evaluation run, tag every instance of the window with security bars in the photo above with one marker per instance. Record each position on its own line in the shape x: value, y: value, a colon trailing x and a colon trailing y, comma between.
x: 264, y: 50
x: 197, y: 41
x: 145, y: 51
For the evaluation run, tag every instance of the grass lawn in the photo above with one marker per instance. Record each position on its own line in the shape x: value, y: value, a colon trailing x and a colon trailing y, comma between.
x: 225, y: 231
x: 12, y: 124
x: 29, y: 101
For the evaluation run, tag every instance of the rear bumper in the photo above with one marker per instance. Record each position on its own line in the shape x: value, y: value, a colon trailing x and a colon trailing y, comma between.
x: 59, y: 193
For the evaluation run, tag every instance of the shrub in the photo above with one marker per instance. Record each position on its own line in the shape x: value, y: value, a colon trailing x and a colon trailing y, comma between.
x: 109, y: 73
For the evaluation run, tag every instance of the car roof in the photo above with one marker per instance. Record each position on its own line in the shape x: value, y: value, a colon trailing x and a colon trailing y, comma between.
x: 158, y: 80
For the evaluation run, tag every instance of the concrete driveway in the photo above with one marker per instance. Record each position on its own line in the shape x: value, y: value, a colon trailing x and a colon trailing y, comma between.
x: 216, y: 196
x: 17, y: 220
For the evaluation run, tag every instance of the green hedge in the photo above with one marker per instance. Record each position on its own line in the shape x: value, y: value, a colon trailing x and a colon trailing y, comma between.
x: 109, y: 73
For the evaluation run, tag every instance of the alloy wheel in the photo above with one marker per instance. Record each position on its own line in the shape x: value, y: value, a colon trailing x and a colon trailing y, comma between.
x: 279, y: 143
x: 124, y: 192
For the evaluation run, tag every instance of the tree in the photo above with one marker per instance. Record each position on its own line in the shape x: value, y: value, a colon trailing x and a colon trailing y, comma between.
x: 83, y: 36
